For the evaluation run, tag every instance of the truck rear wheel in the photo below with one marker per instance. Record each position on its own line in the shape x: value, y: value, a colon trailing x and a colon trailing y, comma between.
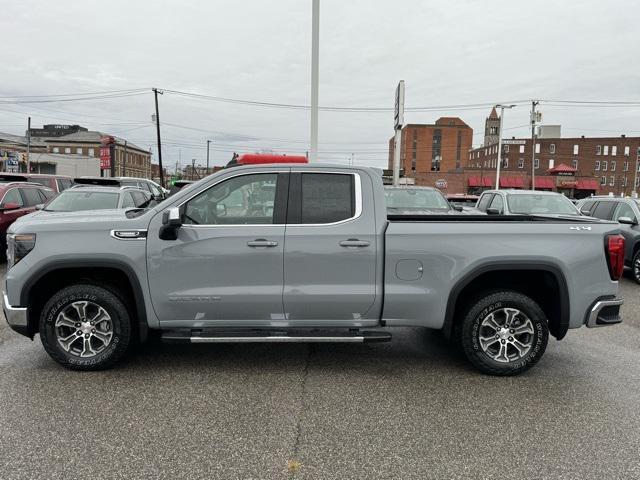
x: 504, y: 333
x: 85, y: 327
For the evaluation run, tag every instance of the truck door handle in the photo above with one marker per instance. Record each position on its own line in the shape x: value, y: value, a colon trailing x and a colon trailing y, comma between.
x: 354, y: 242
x: 262, y: 242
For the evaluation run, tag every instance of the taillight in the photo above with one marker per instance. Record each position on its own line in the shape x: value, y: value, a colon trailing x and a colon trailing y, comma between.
x: 615, y: 255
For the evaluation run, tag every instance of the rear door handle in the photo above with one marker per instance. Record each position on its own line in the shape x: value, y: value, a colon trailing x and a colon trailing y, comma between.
x: 262, y: 242
x: 354, y: 242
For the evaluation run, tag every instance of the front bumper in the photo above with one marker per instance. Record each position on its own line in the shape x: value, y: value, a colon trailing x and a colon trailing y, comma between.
x: 16, y: 316
x: 604, y: 312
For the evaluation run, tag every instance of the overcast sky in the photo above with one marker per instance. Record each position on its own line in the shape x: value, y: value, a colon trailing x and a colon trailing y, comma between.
x: 448, y: 53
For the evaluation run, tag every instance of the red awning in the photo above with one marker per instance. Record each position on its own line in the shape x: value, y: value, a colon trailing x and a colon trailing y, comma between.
x: 544, y: 182
x: 480, y: 182
x: 562, y: 168
x: 511, y: 182
x: 589, y: 184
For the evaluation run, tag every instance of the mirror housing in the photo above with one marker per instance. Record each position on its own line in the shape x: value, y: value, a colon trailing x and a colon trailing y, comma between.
x: 9, y: 206
x: 627, y: 221
x: 586, y: 212
x: 457, y: 208
x: 493, y: 211
x: 171, y: 223
x: 40, y: 206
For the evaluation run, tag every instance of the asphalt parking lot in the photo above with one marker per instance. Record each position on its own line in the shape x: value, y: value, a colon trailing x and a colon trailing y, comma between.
x: 408, y: 409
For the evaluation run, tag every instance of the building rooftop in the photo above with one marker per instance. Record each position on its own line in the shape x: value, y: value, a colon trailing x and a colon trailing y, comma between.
x: 90, y: 137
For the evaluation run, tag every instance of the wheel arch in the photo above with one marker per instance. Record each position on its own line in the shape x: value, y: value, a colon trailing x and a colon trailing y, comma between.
x: 112, y: 274
x: 551, y: 293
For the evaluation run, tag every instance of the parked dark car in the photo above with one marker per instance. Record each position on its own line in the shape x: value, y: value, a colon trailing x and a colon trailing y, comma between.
x: 625, y: 211
x: 18, y: 199
x: 150, y: 186
x: 414, y: 200
x: 179, y: 185
x: 81, y: 198
x: 57, y: 183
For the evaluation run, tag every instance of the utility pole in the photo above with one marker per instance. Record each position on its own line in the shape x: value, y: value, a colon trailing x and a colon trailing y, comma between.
x: 124, y: 161
x: 28, y: 144
x: 208, y: 143
x: 499, y: 162
x: 315, y: 56
x: 398, y: 118
x: 635, y: 175
x: 534, y: 104
x: 155, y: 92
x: 193, y: 169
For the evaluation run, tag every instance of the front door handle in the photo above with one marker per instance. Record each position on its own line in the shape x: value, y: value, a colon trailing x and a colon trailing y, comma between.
x: 262, y: 242
x: 354, y: 242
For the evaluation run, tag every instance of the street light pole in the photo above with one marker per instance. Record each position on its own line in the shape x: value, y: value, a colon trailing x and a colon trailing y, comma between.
x: 155, y: 91
x: 315, y: 55
x: 208, y: 143
x: 534, y: 104
x: 635, y: 175
x: 498, y: 163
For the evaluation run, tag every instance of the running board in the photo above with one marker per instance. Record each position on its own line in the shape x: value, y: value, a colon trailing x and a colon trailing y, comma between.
x: 266, y: 336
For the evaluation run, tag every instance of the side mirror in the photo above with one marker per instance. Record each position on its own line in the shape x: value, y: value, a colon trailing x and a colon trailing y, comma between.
x: 9, y: 206
x: 585, y: 211
x: 457, y: 208
x: 627, y: 221
x: 493, y: 211
x: 40, y: 206
x: 171, y: 222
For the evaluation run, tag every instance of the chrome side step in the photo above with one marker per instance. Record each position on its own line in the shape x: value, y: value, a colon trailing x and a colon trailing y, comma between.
x: 266, y: 336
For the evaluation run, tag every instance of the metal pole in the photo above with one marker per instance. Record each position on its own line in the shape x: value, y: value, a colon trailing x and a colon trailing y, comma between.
x: 499, y: 162
x: 28, y: 144
x: 124, y: 161
x: 155, y: 91
x: 315, y: 55
x: 396, y: 157
x: 635, y: 175
x: 533, y: 144
x: 208, y: 142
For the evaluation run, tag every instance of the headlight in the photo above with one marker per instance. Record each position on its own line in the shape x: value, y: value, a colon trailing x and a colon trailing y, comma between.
x: 18, y: 246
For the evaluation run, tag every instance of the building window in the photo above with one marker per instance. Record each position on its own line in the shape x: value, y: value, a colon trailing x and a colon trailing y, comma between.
x: 613, y: 165
x: 521, y: 163
x: 67, y: 149
x: 92, y: 152
x: 605, y: 165
x: 79, y: 151
x: 625, y: 166
x: 626, y: 151
x: 603, y: 180
x: 552, y: 148
x: 597, y: 165
x: 506, y: 149
x: 598, y: 149
x: 521, y: 148
x: 606, y: 150
x: 637, y: 181
x: 56, y: 150
x: 536, y: 163
x: 574, y: 163
x: 436, y: 152
x: 624, y: 181
x: 505, y: 162
x: 612, y: 181
x: 537, y: 148
x: 614, y: 150
x: 552, y: 162
x: 576, y: 149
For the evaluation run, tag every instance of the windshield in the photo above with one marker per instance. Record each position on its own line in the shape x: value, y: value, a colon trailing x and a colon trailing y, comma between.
x: 415, y: 199
x: 533, y: 204
x: 74, y: 201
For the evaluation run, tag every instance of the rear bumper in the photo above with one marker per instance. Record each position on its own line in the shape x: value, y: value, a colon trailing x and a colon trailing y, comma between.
x: 604, y: 312
x: 16, y: 316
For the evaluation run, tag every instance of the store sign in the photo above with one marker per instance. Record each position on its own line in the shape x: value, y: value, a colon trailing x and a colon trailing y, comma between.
x: 568, y: 183
x: 514, y: 142
x: 441, y: 184
x: 105, y: 158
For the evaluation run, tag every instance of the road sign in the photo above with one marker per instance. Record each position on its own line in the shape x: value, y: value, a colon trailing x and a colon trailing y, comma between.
x: 398, y: 115
x: 514, y: 142
x: 441, y: 184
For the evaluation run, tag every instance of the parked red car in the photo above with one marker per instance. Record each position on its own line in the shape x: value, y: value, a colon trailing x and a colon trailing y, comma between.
x: 57, y: 183
x: 18, y: 199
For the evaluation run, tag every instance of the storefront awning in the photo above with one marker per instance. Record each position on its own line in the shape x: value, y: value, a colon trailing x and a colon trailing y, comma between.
x: 480, y: 182
x: 588, y: 184
x: 511, y: 182
x: 544, y: 182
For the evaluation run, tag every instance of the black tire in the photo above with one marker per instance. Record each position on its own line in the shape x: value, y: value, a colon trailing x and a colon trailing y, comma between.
x: 119, y: 327
x: 635, y: 267
x: 512, y: 363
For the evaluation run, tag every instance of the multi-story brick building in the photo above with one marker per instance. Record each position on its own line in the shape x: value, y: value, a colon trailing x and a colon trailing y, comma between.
x: 429, y: 151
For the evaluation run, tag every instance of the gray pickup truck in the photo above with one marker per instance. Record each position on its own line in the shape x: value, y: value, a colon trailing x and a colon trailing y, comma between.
x: 305, y: 253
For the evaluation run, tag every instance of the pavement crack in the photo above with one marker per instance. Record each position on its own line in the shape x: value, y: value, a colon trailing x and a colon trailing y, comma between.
x: 294, y: 465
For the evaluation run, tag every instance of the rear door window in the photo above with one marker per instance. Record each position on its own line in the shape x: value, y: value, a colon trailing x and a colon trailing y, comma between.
x: 587, y: 207
x: 604, y: 210
x: 141, y: 199
x: 31, y: 197
x: 624, y: 210
x: 127, y: 200
x: 326, y: 198
x: 63, y: 184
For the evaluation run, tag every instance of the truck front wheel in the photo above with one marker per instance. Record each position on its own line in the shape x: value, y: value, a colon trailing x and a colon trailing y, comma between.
x: 85, y: 327
x: 504, y: 333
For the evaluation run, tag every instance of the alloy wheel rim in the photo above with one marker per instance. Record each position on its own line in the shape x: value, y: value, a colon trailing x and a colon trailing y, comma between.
x: 636, y: 267
x: 83, y: 329
x: 506, y: 335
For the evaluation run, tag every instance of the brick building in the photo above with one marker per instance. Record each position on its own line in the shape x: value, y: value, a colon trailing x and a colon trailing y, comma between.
x: 431, y: 150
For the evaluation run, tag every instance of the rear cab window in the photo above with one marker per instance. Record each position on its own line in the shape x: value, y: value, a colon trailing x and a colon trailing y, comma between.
x: 321, y: 198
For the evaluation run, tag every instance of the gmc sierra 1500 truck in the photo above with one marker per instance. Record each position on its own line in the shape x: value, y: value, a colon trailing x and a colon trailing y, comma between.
x: 305, y: 253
